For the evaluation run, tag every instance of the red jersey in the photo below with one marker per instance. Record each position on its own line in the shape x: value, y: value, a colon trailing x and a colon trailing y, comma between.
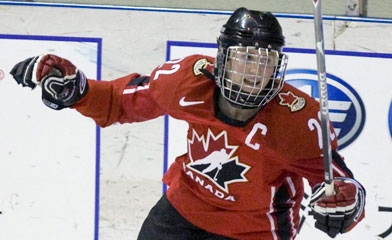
x: 242, y: 180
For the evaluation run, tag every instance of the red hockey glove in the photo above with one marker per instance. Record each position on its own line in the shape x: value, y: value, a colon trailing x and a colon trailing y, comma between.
x: 62, y: 83
x: 340, y: 212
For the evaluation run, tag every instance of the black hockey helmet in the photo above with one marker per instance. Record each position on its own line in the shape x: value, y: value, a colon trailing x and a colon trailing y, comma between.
x: 246, y: 30
x: 252, y: 28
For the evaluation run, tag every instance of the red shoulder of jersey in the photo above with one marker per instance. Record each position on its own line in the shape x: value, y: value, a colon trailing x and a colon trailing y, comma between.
x: 180, y: 87
x: 295, y: 124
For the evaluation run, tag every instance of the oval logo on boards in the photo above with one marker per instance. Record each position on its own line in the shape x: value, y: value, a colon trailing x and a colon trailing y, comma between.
x: 346, y: 109
x: 390, y: 119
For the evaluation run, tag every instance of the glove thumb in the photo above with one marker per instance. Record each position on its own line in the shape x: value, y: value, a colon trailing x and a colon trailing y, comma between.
x: 23, y: 72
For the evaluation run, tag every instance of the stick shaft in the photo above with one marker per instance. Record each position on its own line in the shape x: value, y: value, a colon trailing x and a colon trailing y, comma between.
x: 323, y: 97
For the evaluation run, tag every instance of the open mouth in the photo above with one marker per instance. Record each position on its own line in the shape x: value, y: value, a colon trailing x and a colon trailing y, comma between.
x: 251, y: 83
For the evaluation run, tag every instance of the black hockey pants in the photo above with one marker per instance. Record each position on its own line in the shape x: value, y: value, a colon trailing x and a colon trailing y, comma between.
x: 165, y: 223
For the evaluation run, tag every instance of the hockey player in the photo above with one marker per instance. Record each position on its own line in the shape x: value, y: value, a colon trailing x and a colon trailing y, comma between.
x: 252, y: 138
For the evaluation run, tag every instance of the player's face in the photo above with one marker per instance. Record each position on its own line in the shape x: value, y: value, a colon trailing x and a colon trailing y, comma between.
x: 250, y: 68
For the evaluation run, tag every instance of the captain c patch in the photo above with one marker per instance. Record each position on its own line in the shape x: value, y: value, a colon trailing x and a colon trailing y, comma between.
x: 292, y: 101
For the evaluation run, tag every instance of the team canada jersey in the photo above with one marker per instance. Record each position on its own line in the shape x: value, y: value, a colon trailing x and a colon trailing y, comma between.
x: 242, y: 180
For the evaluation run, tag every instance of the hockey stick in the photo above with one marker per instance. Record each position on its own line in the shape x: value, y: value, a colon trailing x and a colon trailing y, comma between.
x: 323, y: 98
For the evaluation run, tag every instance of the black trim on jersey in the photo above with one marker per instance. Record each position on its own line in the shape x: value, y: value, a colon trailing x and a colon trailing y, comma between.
x: 282, y: 213
x: 219, y: 115
x: 207, y: 73
x: 339, y: 161
x: 139, y: 81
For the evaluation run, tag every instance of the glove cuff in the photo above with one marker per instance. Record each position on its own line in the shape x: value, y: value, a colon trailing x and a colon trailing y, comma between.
x: 59, y: 93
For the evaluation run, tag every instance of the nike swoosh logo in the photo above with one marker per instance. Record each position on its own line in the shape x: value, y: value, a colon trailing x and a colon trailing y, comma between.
x: 184, y: 103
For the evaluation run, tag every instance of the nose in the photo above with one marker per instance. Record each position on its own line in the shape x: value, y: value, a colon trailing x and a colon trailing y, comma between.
x: 254, y: 71
x: 251, y: 69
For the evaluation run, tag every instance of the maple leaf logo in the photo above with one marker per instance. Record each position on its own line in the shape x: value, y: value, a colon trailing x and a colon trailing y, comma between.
x: 292, y: 101
x: 213, y: 157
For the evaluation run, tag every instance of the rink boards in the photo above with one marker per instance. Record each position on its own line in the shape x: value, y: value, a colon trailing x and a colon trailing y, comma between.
x: 52, y: 174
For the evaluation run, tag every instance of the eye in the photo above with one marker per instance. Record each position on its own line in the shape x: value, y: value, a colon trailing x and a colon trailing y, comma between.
x: 264, y: 60
x: 268, y: 60
x: 243, y: 56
